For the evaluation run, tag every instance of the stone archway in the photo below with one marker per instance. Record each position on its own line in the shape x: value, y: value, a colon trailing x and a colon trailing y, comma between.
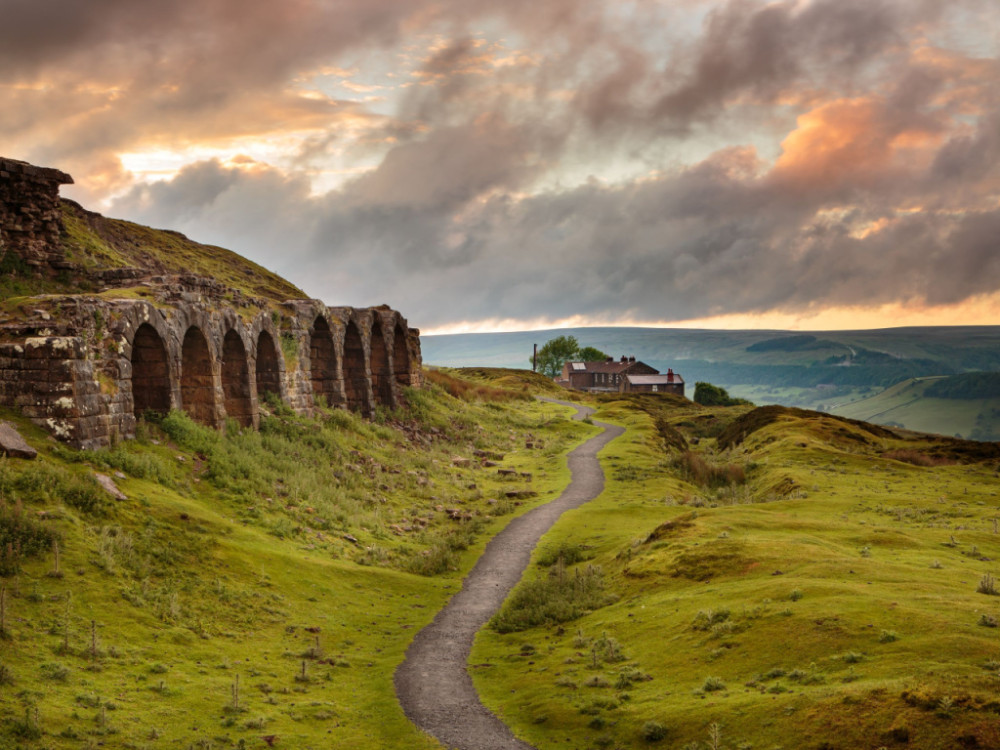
x: 400, y: 357
x: 380, y: 370
x: 355, y: 378
x: 236, y: 379
x: 150, y: 372
x: 268, y: 372
x: 197, y: 386
x: 323, y: 363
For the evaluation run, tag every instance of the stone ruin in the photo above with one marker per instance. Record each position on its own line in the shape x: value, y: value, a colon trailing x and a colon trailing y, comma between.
x: 87, y: 367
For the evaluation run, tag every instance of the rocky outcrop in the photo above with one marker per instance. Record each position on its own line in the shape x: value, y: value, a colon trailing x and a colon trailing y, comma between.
x: 88, y: 367
x: 30, y: 216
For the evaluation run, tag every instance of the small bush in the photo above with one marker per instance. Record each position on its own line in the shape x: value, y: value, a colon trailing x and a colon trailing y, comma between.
x: 888, y: 636
x: 653, y: 731
x: 560, y: 596
x: 987, y: 585
x: 852, y: 657
x: 713, y: 684
x: 795, y: 595
x: 987, y: 621
x: 20, y: 536
x: 696, y: 469
x: 707, y: 618
x: 54, y: 671
x: 568, y: 553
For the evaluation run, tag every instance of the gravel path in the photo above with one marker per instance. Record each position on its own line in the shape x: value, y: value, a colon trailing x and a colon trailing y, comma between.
x: 432, y: 684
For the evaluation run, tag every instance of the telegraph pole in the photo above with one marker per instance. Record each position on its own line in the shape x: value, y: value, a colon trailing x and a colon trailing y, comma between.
x: 534, y: 359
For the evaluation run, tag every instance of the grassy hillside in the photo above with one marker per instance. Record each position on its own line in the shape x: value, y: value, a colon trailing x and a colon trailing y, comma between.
x: 908, y: 404
x: 790, y: 580
x: 254, y: 585
x: 95, y: 243
x: 749, y: 578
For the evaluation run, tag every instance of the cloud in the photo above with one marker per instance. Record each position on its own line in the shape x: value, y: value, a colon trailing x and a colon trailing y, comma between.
x: 524, y: 159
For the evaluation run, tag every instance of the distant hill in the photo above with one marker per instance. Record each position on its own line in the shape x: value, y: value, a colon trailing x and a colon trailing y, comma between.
x: 828, y: 370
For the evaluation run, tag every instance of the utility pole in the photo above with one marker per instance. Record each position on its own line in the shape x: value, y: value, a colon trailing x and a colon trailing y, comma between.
x: 534, y: 359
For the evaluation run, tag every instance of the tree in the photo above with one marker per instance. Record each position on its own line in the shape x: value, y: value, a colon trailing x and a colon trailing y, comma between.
x: 591, y: 354
x: 555, y: 353
x: 707, y: 394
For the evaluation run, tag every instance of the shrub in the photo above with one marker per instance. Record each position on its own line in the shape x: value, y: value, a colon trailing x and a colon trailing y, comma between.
x: 987, y: 585
x: 888, y: 636
x: 653, y: 731
x: 560, y: 596
x: 697, y: 470
x: 712, y: 684
x: 20, y: 536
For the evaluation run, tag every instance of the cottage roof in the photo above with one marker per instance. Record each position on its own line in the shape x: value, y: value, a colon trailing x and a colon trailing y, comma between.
x: 612, y: 366
x: 655, y: 379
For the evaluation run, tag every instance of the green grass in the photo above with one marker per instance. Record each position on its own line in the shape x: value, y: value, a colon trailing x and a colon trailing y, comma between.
x: 906, y: 405
x: 803, y: 608
x: 182, y: 616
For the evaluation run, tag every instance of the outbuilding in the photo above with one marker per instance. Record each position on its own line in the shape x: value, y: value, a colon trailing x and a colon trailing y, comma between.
x: 671, y: 382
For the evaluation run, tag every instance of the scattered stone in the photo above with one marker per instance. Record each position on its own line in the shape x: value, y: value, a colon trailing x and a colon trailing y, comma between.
x: 460, y: 462
x: 120, y: 475
x: 351, y: 538
x: 490, y: 464
x: 520, y: 494
x: 507, y: 472
x: 109, y: 486
x: 526, y: 475
x: 12, y: 444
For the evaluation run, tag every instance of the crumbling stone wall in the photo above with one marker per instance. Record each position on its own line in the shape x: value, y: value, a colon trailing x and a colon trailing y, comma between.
x: 30, y: 215
x: 87, y: 367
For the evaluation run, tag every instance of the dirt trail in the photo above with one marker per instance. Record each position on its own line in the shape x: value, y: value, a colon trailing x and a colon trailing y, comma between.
x: 432, y: 684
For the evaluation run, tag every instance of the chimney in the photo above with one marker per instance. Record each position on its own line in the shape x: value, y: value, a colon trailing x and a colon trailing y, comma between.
x: 610, y: 360
x: 632, y: 358
x: 670, y: 375
x: 624, y: 359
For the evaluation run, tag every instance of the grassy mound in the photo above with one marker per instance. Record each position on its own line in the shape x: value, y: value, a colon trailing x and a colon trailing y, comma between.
x: 837, y: 595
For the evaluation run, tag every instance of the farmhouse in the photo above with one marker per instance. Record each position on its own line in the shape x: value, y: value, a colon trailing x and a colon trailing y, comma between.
x: 601, y: 377
x: 669, y: 383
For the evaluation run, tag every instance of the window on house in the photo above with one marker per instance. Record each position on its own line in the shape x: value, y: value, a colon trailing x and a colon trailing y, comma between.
x: 656, y: 388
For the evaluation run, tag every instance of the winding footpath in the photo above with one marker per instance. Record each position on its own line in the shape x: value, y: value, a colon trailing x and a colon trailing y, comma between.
x: 433, y: 684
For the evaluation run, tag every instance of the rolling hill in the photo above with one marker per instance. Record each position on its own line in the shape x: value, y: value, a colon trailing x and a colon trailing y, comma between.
x: 828, y: 370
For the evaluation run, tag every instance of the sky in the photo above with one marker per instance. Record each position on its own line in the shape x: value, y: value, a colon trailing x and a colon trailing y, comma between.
x: 802, y: 164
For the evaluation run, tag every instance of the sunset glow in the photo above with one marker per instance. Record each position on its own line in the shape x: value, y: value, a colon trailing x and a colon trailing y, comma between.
x: 812, y: 164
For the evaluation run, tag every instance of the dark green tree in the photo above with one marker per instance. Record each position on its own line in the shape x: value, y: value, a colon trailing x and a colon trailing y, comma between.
x: 707, y: 394
x: 555, y: 353
x: 591, y: 354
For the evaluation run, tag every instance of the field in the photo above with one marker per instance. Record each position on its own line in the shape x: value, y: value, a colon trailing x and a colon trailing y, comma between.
x: 750, y: 578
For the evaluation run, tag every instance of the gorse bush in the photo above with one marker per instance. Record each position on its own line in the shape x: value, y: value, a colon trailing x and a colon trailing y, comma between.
x: 560, y: 596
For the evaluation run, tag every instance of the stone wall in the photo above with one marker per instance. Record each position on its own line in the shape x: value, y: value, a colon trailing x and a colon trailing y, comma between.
x: 30, y: 214
x: 87, y: 367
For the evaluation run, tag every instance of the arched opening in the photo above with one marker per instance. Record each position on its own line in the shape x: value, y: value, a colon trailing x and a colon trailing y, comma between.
x: 236, y: 379
x: 323, y: 363
x: 268, y: 373
x: 355, y: 379
x: 197, y: 388
x: 150, y: 372
x: 381, y: 374
x: 400, y: 357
